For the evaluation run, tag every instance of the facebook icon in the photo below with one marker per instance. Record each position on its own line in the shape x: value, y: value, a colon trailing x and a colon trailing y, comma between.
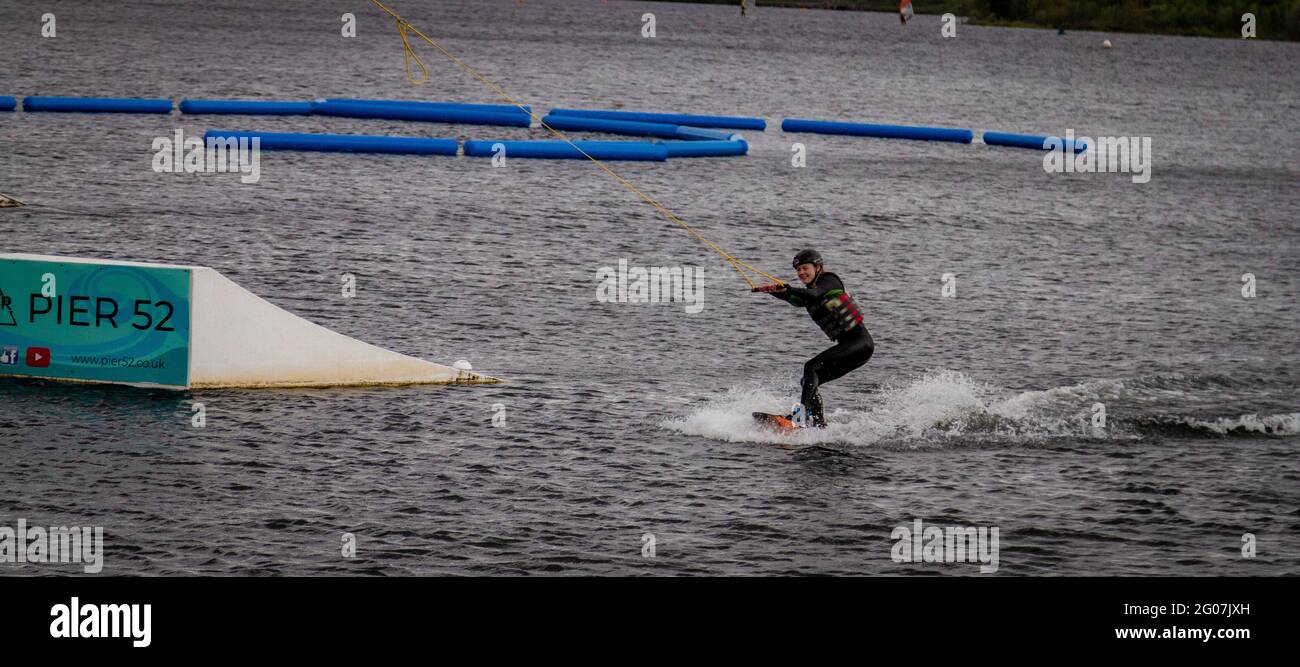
x: 8, y: 356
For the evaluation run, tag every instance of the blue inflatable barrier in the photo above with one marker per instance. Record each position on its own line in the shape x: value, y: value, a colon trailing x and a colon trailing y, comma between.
x: 581, y: 123
x: 635, y: 128
x: 350, y: 143
x: 245, y: 107
x: 879, y: 131
x: 560, y: 150
x: 733, y: 122
x: 97, y: 104
x: 705, y: 148
x: 1031, y: 141
x: 428, y: 113
x: 8, y: 103
x: 701, y: 134
x: 504, y: 108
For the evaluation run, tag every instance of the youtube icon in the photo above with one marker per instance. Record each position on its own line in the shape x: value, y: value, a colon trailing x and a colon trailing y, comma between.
x: 38, y: 357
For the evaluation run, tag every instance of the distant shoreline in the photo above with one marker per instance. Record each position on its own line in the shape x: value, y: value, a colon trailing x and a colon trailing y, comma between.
x: 1277, y: 23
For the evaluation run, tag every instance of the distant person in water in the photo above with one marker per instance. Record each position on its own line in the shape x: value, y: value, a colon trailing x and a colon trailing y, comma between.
x: 831, y: 307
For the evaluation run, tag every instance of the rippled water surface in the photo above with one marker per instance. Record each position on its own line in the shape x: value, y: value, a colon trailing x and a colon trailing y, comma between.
x: 621, y: 419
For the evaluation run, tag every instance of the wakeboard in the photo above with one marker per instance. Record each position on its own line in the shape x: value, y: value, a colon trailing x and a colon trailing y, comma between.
x: 776, y: 423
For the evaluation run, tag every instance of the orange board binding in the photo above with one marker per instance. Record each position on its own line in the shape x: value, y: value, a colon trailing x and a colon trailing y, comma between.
x: 775, y: 422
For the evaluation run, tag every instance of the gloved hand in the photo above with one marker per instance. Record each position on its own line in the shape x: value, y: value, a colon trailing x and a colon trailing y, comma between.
x: 769, y: 288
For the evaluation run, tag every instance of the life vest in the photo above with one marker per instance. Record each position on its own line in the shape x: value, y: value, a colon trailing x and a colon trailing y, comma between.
x: 836, y: 313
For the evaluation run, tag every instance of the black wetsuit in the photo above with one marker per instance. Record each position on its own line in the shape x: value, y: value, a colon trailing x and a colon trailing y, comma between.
x: 835, y: 312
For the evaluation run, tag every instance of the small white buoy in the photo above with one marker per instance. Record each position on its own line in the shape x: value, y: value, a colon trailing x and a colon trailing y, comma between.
x: 1105, y: 44
x: 462, y: 365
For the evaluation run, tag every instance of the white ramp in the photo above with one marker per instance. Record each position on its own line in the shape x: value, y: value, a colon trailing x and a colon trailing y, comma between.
x: 235, y: 338
x: 241, y: 340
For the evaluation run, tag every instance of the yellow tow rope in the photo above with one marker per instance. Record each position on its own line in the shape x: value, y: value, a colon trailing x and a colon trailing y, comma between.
x: 409, y: 55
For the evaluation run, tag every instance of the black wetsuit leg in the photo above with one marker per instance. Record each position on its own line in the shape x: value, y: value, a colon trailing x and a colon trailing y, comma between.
x: 849, y: 353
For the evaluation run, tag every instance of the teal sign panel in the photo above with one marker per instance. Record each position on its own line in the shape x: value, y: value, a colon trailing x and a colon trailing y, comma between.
x: 104, y: 322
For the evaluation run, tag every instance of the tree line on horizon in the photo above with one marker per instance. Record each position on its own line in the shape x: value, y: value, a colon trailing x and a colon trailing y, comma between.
x: 1274, y: 19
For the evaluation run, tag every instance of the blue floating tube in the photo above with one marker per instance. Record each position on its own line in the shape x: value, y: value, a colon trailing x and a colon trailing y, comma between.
x: 245, y: 107
x: 504, y: 108
x: 1031, y: 141
x: 97, y: 104
x: 733, y: 122
x: 8, y: 103
x: 349, y: 143
x: 561, y: 150
x: 705, y: 148
x: 960, y: 136
x: 582, y: 123
x: 435, y: 114
x: 700, y: 134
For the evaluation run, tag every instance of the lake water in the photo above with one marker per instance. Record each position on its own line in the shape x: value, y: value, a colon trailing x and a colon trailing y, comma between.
x: 623, y: 420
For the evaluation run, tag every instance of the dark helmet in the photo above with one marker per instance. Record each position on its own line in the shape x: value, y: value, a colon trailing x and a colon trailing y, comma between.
x: 808, y: 256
